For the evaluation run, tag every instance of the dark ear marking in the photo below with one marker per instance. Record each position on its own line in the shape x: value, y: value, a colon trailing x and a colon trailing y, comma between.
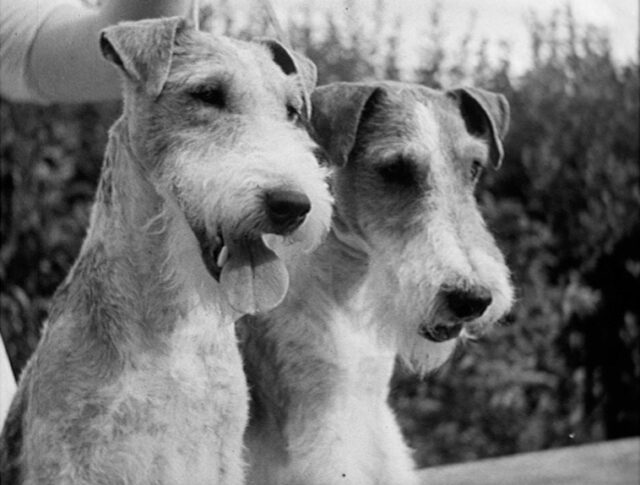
x: 109, y: 52
x: 293, y: 63
x: 142, y: 50
x: 337, y: 112
x: 281, y: 56
x: 485, y: 114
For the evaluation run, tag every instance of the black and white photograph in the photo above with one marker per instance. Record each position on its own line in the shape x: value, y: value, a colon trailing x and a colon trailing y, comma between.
x: 340, y: 242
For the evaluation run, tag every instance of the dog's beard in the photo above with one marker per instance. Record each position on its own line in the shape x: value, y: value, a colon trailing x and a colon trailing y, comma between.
x: 420, y: 353
x: 406, y: 316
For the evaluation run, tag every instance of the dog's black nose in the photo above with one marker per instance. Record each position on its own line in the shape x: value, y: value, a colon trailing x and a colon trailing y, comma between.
x: 469, y: 303
x: 286, y: 209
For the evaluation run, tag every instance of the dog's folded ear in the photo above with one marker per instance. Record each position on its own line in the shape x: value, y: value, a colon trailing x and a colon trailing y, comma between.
x: 293, y: 63
x: 337, y: 112
x: 143, y: 50
x: 485, y: 114
x: 307, y: 71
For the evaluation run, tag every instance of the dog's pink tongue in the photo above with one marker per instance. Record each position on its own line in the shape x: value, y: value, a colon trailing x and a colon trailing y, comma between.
x: 254, y: 279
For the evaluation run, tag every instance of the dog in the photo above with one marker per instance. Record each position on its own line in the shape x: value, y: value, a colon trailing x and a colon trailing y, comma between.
x: 138, y: 378
x: 409, y: 268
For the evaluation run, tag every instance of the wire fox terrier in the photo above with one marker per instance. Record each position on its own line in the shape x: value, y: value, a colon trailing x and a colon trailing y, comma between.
x: 138, y: 378
x: 408, y: 269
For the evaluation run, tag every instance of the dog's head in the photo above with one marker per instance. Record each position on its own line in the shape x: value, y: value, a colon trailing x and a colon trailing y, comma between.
x: 406, y: 163
x: 218, y: 126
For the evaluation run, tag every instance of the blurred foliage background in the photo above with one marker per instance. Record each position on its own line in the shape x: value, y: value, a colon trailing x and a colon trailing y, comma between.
x: 565, y: 208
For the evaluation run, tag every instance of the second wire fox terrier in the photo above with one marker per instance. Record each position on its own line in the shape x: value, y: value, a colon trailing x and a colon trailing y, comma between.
x: 138, y: 378
x: 409, y: 268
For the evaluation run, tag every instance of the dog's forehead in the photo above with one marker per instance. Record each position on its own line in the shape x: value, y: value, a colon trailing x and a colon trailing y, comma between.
x: 443, y: 133
x: 433, y: 111
x: 430, y: 119
x: 198, y: 55
x: 438, y: 119
x: 437, y: 122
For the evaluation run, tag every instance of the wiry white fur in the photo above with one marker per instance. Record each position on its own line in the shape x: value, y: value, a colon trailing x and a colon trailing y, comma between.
x: 196, y: 395
x: 138, y: 379
x: 322, y: 366
x: 183, y: 267
x: 270, y: 156
x: 490, y: 272
x: 352, y: 437
x: 407, y: 273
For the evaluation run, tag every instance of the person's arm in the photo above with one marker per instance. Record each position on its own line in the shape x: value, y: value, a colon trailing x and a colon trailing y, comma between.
x: 65, y: 64
x: 7, y: 384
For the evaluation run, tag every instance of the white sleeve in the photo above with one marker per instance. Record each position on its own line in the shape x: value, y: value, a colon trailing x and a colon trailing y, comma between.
x: 7, y: 384
x: 20, y: 21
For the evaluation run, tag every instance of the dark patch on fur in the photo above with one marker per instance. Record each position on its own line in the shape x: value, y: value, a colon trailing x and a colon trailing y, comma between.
x: 209, y: 249
x: 268, y: 402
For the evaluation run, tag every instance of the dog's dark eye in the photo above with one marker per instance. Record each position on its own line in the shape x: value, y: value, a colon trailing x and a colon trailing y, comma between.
x: 399, y: 172
x: 211, y: 95
x: 293, y: 114
x: 476, y: 170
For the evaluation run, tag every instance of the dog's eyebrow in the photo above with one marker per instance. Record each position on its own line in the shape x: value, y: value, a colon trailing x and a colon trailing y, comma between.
x: 220, y: 77
x: 200, y: 74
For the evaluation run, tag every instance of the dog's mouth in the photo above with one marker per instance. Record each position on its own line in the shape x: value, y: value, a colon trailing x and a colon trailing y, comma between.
x: 251, y: 276
x: 441, y: 331
x: 214, y: 252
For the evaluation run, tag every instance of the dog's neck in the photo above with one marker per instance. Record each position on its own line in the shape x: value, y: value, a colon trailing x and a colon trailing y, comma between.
x: 128, y: 207
x: 342, y: 268
x: 323, y: 315
x: 313, y: 360
x: 143, y: 243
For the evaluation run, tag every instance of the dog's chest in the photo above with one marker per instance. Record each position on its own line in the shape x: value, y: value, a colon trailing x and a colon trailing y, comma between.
x: 366, y: 365
x: 182, y: 406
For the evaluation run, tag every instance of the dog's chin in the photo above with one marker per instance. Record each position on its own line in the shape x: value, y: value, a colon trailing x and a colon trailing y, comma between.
x: 441, y: 331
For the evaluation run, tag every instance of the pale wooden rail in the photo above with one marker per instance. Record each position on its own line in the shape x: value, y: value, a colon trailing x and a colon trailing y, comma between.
x: 606, y: 463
